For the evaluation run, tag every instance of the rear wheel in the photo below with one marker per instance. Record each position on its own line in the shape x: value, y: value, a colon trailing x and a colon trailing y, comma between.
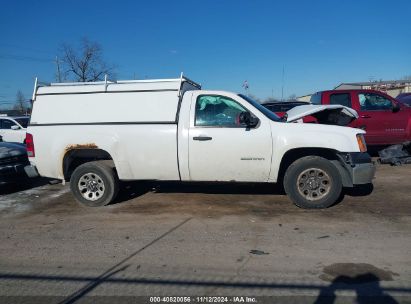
x: 313, y: 182
x: 94, y: 184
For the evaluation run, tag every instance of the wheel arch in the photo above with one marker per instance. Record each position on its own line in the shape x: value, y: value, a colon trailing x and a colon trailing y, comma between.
x: 78, y: 156
x: 331, y: 154
x: 293, y: 154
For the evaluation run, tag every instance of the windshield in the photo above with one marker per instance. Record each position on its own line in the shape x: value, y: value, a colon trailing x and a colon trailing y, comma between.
x: 22, y: 121
x: 316, y: 98
x: 261, y: 108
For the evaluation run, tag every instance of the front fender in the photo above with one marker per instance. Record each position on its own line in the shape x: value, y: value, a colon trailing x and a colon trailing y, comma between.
x: 287, y: 137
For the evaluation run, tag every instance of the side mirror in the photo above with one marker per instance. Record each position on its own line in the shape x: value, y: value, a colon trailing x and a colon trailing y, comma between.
x: 15, y: 127
x: 395, y: 107
x: 247, y: 119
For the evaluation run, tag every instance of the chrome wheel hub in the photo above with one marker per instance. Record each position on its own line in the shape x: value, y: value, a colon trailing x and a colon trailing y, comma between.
x: 314, y: 184
x: 91, y: 186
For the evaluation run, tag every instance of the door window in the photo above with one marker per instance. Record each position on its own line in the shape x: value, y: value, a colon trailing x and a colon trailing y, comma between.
x: 7, y: 124
x: 220, y: 111
x: 374, y: 102
x: 23, y: 122
x: 343, y: 99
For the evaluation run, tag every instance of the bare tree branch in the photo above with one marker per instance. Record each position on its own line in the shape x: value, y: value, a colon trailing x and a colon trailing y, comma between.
x: 86, y: 64
x: 20, y: 102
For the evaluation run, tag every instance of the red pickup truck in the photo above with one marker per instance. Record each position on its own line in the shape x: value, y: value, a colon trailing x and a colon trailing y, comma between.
x: 385, y: 120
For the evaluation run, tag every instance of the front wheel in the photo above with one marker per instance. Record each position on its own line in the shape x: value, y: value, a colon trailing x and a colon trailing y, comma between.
x: 94, y: 184
x: 313, y: 182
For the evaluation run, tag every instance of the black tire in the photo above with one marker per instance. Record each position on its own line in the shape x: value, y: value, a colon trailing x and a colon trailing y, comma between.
x: 95, y: 184
x: 313, y: 182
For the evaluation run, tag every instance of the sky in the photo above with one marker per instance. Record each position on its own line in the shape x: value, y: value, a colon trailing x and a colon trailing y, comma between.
x: 218, y: 43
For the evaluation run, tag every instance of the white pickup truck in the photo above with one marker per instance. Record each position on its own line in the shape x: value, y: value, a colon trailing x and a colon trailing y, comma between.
x: 97, y: 134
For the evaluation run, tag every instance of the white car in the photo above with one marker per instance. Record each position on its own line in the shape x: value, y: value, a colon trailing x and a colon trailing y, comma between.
x: 13, y: 129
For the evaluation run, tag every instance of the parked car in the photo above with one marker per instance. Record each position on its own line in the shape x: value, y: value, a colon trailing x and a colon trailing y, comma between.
x: 386, y: 121
x: 170, y: 129
x: 13, y: 129
x: 405, y: 98
x: 281, y: 107
x: 13, y: 159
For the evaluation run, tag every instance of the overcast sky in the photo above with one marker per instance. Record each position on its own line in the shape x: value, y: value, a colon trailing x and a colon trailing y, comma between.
x: 217, y: 43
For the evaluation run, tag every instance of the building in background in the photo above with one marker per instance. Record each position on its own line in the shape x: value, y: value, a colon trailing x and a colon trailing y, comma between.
x: 390, y: 87
x: 305, y: 98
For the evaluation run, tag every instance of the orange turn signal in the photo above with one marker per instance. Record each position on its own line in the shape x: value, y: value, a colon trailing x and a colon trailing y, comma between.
x: 361, y: 143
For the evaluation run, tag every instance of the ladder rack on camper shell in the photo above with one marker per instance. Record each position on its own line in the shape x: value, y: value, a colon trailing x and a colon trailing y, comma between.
x: 104, y: 84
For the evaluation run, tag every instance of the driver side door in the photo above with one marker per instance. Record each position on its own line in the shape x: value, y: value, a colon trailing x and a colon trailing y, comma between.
x: 221, y: 148
x: 377, y: 118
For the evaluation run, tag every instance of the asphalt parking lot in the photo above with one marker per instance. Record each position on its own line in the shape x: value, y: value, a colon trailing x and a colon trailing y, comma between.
x: 191, y: 240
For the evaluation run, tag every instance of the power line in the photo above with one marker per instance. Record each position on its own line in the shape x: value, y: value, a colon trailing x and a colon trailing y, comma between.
x: 8, y: 96
x: 13, y: 101
x: 23, y: 58
x: 21, y: 47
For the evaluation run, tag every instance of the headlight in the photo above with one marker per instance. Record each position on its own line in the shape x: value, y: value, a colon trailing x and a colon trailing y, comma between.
x: 361, y: 143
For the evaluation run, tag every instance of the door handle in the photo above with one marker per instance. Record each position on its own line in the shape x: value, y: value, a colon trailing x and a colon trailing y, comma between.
x: 365, y: 116
x: 202, y: 138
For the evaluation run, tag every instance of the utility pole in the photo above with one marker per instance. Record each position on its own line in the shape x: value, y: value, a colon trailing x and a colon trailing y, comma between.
x: 282, y: 86
x: 58, y: 73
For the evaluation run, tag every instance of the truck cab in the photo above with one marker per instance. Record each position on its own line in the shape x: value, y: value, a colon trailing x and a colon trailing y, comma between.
x: 385, y: 120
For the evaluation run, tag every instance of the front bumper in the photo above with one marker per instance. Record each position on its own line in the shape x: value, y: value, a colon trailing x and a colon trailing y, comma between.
x: 362, y: 173
x: 356, y: 168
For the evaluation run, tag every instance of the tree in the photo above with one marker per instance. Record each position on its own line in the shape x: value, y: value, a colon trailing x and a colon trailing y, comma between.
x: 84, y: 64
x: 20, y: 104
x: 270, y: 99
x: 292, y: 97
x: 254, y: 97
